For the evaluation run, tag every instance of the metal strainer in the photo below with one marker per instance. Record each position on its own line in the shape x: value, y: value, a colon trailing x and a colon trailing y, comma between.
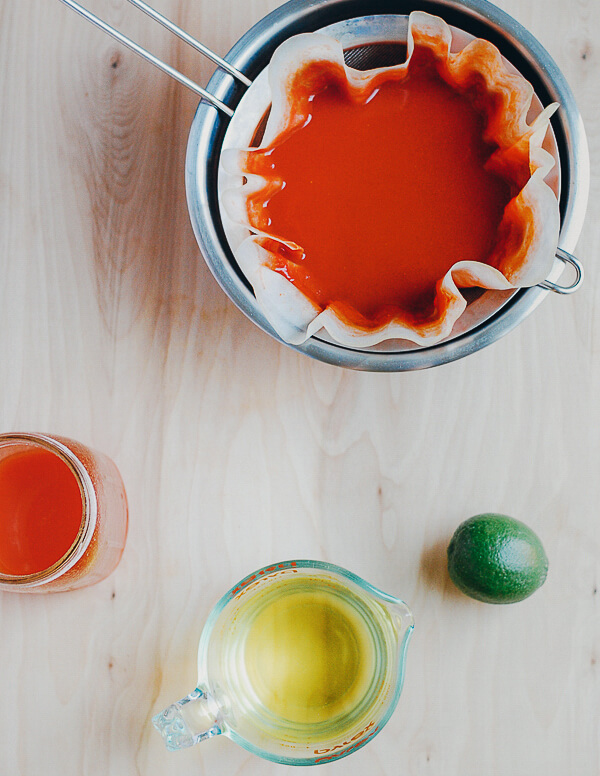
x: 238, y: 91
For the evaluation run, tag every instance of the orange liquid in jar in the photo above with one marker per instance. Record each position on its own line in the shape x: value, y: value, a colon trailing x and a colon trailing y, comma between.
x: 381, y: 197
x: 41, y: 510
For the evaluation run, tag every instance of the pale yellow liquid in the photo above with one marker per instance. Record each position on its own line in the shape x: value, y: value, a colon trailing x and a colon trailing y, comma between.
x: 309, y: 654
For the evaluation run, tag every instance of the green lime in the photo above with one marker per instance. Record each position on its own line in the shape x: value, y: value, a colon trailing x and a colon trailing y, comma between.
x: 496, y: 559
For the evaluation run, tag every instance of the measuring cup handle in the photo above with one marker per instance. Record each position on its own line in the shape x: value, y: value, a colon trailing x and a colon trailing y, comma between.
x: 188, y: 721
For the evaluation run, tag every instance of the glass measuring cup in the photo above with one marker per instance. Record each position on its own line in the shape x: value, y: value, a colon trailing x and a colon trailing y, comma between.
x: 301, y: 662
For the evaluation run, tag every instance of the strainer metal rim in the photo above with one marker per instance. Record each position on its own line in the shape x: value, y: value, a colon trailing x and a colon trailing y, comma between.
x: 251, y: 53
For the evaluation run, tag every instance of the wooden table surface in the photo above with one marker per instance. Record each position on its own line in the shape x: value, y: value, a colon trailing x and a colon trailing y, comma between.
x: 237, y: 452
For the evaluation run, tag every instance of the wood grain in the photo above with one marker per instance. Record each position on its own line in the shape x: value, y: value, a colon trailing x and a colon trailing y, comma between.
x: 237, y: 451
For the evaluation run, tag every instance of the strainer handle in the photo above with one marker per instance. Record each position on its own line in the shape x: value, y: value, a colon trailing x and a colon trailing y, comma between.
x: 182, y: 79
x: 566, y: 258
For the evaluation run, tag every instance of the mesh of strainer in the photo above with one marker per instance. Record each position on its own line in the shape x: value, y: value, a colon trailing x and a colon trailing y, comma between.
x: 375, y: 55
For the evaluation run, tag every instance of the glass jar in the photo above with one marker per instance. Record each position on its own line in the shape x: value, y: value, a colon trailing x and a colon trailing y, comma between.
x: 63, y: 514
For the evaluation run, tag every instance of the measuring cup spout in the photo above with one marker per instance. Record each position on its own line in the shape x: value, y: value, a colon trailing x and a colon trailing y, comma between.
x: 189, y: 721
x: 403, y: 617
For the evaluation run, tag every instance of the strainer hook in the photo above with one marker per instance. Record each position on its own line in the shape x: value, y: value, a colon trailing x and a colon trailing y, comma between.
x: 566, y: 258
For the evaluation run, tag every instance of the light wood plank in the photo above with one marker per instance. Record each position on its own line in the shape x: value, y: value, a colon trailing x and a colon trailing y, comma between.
x: 237, y: 452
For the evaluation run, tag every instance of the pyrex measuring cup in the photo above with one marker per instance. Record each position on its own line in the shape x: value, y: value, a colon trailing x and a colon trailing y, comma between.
x: 301, y: 662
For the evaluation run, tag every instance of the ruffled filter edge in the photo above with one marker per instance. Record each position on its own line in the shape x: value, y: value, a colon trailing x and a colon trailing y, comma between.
x: 528, y: 233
